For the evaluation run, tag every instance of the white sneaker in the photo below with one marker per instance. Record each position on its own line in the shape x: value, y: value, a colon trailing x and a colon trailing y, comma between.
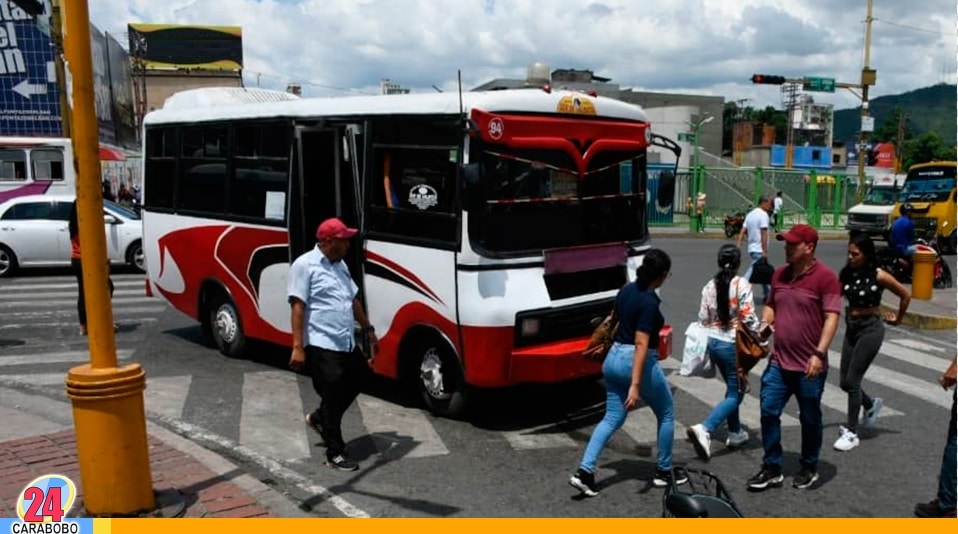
x: 736, y: 439
x: 870, y: 417
x: 847, y: 440
x: 700, y: 440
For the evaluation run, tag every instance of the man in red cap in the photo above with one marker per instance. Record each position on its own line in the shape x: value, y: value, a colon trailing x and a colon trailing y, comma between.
x: 322, y: 296
x: 806, y: 296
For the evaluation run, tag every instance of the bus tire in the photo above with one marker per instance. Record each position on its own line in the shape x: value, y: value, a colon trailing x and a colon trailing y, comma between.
x: 439, y: 377
x: 8, y: 262
x: 227, y: 328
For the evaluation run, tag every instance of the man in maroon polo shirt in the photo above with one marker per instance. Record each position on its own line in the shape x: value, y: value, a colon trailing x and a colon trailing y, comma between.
x: 806, y: 300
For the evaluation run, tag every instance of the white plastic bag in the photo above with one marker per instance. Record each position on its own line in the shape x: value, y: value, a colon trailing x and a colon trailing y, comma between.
x: 695, y: 359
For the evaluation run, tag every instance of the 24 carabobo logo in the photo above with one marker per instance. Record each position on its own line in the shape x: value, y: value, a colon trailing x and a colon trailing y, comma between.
x: 43, y: 505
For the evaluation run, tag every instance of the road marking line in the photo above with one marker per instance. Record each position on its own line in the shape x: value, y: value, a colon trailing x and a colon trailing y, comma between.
x: 914, y: 357
x: 69, y: 312
x: 23, y: 288
x: 549, y: 436
x: 271, y: 416
x: 166, y: 395
x: 398, y: 431
x: 275, y: 468
x: 920, y: 345
x: 711, y: 391
x: 33, y: 296
x: 70, y: 324
x: 642, y: 426
x: 80, y: 356
x: 925, y: 390
x: 34, y: 303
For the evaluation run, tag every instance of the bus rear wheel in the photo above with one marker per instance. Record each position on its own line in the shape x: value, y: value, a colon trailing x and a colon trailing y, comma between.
x: 440, y: 379
x: 227, y: 328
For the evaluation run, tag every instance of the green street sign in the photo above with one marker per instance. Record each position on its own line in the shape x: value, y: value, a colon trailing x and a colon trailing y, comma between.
x: 824, y: 85
x: 688, y: 137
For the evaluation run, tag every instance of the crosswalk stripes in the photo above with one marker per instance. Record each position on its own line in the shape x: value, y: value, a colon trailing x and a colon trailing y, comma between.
x: 399, y: 431
x: 271, y: 420
x: 271, y: 407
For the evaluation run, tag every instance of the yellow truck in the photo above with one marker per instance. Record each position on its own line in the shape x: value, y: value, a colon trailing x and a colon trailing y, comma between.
x: 930, y: 189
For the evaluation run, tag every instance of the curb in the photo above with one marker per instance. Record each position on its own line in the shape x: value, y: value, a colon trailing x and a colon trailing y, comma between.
x: 923, y: 321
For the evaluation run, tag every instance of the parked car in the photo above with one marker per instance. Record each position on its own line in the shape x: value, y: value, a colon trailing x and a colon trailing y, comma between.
x: 34, y: 232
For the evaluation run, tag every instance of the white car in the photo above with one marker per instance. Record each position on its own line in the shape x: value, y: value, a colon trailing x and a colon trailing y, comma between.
x: 34, y: 232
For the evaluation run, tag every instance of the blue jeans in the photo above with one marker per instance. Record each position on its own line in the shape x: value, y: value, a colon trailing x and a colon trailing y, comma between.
x: 778, y: 386
x: 653, y: 390
x: 748, y: 274
x: 946, y: 479
x: 722, y: 354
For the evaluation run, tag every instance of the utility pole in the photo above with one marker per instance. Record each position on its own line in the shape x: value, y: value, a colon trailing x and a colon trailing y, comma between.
x: 900, y: 141
x: 108, y: 412
x: 868, y: 78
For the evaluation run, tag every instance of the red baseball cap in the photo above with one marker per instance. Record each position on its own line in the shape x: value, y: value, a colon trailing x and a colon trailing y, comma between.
x: 334, y: 228
x: 800, y: 233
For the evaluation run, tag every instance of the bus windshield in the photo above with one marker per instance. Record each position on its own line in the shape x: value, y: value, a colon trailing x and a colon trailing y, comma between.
x: 929, y: 184
x: 532, y: 200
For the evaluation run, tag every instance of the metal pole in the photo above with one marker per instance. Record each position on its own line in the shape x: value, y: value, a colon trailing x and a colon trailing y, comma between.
x: 108, y: 412
x: 867, y: 79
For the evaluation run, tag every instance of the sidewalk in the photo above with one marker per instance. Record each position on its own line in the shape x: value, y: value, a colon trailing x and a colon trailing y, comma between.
x: 937, y: 313
x: 205, y: 482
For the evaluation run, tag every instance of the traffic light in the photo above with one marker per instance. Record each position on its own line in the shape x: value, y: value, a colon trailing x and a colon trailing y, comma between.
x: 768, y: 79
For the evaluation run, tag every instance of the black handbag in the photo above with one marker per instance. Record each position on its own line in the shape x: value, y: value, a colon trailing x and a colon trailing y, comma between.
x: 762, y: 272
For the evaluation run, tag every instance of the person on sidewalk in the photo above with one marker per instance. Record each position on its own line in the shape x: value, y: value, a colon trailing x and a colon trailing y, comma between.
x: 77, y: 264
x: 944, y: 504
x: 700, y: 212
x: 631, y: 370
x: 756, y: 230
x: 777, y: 211
x: 322, y: 296
x: 726, y: 301
x: 862, y: 284
x: 806, y: 300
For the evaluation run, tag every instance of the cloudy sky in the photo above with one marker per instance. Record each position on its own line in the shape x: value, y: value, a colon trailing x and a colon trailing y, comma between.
x: 338, y: 47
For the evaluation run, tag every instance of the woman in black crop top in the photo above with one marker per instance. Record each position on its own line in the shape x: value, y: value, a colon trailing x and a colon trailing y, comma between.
x: 862, y: 284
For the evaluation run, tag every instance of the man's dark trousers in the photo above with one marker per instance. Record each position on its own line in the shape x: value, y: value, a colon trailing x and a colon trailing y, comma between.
x: 337, y: 379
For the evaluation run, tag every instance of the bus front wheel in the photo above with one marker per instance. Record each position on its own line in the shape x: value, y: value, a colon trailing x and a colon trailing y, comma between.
x: 226, y: 328
x: 440, y: 379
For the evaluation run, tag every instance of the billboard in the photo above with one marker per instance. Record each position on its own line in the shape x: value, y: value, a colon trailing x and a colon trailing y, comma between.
x: 29, y: 99
x: 178, y: 47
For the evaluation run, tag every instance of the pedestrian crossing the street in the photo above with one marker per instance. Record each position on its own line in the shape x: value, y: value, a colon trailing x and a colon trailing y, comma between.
x: 271, y: 402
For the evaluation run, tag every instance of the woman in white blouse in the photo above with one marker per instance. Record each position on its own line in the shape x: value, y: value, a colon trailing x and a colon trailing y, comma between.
x: 726, y: 301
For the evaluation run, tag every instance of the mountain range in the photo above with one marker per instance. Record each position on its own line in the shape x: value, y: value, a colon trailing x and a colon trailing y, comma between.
x: 929, y: 109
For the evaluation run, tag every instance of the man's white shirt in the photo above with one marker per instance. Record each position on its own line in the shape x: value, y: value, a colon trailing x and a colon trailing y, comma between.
x: 755, y: 221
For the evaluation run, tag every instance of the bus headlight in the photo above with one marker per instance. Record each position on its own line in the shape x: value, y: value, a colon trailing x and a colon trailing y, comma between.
x: 529, y: 327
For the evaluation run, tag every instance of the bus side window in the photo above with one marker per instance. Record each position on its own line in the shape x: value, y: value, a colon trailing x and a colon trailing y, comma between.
x: 13, y: 164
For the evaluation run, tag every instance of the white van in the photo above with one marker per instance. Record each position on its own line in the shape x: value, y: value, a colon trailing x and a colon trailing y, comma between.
x: 874, y: 214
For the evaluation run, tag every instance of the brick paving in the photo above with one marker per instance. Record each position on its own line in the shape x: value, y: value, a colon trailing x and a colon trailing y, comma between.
x: 206, y: 494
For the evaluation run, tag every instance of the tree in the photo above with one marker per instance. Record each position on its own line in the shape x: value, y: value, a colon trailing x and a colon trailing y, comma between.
x: 927, y: 147
x: 888, y: 131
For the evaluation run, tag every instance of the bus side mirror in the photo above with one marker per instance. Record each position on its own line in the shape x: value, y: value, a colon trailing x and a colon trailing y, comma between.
x: 110, y: 219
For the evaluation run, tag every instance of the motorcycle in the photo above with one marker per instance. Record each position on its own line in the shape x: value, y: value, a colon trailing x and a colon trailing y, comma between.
x: 900, y: 266
x: 733, y: 223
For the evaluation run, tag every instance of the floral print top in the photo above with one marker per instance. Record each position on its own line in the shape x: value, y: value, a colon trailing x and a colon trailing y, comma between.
x: 741, y: 306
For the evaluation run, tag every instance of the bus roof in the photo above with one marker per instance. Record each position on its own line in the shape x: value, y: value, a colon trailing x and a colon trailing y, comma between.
x: 212, y: 104
x: 936, y: 163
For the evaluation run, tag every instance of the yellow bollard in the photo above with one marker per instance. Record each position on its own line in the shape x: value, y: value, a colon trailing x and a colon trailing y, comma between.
x: 108, y: 413
x: 922, y: 274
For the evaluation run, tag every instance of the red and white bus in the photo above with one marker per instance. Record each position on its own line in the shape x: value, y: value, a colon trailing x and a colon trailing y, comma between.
x: 494, y: 226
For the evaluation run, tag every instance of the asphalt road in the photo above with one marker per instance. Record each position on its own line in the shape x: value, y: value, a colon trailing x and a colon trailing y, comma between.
x: 511, y: 460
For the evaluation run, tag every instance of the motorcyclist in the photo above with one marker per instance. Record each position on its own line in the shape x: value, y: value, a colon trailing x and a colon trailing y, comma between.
x: 902, y: 233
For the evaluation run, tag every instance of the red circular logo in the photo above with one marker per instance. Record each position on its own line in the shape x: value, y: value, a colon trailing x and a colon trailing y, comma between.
x: 496, y: 128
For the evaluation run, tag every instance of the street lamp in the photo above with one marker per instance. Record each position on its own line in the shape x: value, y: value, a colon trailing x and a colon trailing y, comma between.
x: 696, y: 172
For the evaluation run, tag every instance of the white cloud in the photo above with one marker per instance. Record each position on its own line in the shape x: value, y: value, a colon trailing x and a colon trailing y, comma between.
x: 699, y: 46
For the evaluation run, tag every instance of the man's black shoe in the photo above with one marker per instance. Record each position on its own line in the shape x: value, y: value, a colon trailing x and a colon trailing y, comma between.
x: 804, y: 479
x: 342, y: 463
x: 765, y: 478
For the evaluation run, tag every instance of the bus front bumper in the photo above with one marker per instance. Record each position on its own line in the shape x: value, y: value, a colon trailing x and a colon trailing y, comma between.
x: 552, y: 362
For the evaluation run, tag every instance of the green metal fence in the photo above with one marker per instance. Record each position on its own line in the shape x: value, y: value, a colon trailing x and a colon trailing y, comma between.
x: 817, y: 198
